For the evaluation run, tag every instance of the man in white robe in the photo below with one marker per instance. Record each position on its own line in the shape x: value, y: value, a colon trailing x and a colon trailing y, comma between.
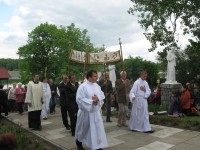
x: 139, y: 120
x: 46, y: 99
x: 89, y: 128
x: 34, y: 98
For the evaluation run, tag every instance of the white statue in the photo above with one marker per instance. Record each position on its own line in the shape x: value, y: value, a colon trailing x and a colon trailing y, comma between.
x: 171, y: 58
x: 112, y: 74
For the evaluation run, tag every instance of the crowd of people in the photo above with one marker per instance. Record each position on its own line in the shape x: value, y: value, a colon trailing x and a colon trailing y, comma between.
x: 182, y: 102
x: 83, y: 103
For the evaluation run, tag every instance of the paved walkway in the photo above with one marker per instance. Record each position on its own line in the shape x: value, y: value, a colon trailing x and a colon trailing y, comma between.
x: 164, y: 138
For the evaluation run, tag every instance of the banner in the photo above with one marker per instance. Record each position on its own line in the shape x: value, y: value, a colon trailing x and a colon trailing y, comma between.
x: 95, y: 58
x: 104, y: 57
x: 78, y: 56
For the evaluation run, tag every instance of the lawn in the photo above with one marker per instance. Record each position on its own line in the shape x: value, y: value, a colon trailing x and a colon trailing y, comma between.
x: 190, y: 123
x: 25, y: 139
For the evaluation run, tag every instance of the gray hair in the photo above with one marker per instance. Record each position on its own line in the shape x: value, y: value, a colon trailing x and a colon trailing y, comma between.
x: 122, y: 72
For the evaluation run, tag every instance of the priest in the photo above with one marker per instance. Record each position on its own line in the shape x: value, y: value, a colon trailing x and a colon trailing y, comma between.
x: 34, y: 98
x: 139, y: 120
x: 89, y: 128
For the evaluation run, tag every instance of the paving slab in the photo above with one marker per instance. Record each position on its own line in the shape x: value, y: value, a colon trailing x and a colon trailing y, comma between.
x: 119, y: 138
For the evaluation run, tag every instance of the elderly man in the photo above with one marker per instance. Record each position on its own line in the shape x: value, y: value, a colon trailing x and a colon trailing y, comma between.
x: 122, y: 86
x: 64, y: 107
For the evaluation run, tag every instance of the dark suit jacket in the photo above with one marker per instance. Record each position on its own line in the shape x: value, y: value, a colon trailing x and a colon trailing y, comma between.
x: 106, y: 88
x: 71, y: 95
x: 3, y: 97
x: 63, y: 94
x: 122, y: 90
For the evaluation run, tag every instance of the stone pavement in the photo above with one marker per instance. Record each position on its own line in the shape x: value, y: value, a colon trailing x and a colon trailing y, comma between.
x: 164, y: 138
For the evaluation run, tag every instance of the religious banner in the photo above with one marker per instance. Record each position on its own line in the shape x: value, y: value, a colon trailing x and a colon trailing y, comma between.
x: 78, y: 56
x: 104, y: 57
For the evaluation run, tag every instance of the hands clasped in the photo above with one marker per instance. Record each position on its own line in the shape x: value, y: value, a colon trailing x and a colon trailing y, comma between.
x: 143, y: 88
x: 95, y: 99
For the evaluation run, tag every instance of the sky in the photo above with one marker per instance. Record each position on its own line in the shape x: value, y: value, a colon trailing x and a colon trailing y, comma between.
x: 105, y: 20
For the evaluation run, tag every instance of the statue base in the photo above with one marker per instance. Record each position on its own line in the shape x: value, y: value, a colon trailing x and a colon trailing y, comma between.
x: 166, y: 92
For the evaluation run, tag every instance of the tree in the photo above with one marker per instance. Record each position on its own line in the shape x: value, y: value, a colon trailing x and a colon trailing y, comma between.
x: 133, y: 66
x: 9, y: 64
x: 164, y: 22
x: 49, y: 46
x: 161, y: 18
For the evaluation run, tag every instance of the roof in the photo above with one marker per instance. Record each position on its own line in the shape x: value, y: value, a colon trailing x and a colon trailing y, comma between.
x: 4, y: 73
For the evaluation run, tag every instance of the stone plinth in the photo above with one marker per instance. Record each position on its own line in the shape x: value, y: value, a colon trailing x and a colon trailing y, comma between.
x: 166, y: 92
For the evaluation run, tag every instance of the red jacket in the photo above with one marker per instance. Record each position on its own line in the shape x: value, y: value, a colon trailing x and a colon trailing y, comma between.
x: 185, y: 100
x: 20, y: 94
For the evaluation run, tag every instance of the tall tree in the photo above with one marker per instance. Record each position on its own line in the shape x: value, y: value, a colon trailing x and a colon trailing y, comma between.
x: 164, y: 20
x: 49, y: 46
x: 164, y: 23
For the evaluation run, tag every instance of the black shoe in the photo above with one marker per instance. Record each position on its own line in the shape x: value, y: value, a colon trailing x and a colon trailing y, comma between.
x: 108, y: 121
x: 37, y: 129
x: 68, y: 128
x: 151, y: 131
x: 134, y: 131
x: 100, y: 149
x: 79, y: 145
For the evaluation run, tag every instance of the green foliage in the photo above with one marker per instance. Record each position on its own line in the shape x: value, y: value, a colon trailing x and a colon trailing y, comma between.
x: 160, y: 19
x: 25, y: 141
x: 49, y: 46
x: 133, y: 66
x: 9, y: 64
x: 164, y: 22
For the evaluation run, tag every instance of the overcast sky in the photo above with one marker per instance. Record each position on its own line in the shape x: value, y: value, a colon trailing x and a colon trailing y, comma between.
x: 105, y: 20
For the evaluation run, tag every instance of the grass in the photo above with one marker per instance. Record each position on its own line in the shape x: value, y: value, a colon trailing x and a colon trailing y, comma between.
x: 191, y: 122
x: 25, y: 140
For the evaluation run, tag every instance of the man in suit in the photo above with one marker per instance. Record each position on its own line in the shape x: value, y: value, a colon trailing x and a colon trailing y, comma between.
x: 106, y: 87
x: 72, y: 87
x: 122, y: 86
x: 63, y: 100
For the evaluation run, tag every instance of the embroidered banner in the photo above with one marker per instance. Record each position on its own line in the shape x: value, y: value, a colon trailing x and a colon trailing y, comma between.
x: 78, y: 56
x: 104, y: 57
x: 95, y: 58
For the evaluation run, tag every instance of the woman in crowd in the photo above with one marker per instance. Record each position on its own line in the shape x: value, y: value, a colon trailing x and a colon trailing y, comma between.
x: 185, y: 101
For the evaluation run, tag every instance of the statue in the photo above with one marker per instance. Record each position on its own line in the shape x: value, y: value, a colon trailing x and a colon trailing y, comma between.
x: 171, y: 59
x: 112, y: 74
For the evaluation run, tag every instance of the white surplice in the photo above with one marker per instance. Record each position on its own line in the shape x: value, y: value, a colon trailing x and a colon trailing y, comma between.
x: 89, y: 127
x: 46, y: 99
x: 34, y: 95
x: 139, y: 119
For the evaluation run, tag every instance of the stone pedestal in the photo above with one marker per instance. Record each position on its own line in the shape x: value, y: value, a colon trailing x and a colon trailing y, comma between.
x: 166, y: 92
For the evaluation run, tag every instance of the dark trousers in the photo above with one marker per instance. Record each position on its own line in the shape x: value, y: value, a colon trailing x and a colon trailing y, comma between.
x: 34, y: 119
x: 73, y: 118
x: 20, y: 107
x: 108, y: 113
x: 52, y: 104
x: 12, y: 106
x: 3, y: 108
x: 64, y: 111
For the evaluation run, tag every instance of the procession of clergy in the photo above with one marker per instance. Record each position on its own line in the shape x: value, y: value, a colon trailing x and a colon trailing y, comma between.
x: 83, y: 104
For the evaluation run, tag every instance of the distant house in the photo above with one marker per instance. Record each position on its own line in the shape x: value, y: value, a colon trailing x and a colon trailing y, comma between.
x: 14, y: 74
x: 4, y: 75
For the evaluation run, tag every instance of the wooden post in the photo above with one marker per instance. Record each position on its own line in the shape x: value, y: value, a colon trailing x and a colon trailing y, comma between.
x: 120, y: 44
